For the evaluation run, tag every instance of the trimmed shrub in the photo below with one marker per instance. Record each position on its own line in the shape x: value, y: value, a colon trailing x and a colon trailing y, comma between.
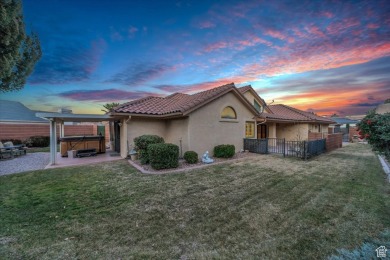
x: 224, y: 150
x: 163, y: 156
x: 142, y: 142
x: 38, y: 141
x: 191, y: 157
x: 14, y: 141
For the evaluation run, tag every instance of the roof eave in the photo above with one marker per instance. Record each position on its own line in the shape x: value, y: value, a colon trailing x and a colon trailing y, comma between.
x: 143, y: 115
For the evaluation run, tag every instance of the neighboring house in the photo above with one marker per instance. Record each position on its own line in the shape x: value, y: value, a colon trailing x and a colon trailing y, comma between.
x: 341, y: 123
x: 19, y: 122
x: 16, y: 112
x: 222, y: 115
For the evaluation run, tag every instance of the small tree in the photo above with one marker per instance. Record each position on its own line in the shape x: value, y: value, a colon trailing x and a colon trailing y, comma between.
x: 18, y: 52
x: 107, y: 108
x: 376, y: 129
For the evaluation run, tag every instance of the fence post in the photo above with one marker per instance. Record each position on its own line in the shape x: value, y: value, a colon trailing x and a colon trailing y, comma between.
x: 284, y: 147
x: 305, y: 150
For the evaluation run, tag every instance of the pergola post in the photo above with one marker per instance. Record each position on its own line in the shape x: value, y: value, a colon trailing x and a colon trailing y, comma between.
x: 53, y: 142
x: 62, y: 129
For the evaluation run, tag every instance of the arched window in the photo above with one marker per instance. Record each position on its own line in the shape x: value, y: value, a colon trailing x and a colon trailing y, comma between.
x: 228, y: 113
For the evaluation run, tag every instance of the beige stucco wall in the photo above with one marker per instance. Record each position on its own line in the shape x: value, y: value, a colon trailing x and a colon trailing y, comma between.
x: 200, y: 131
x: 206, y: 129
x: 251, y: 98
x: 139, y: 126
x: 314, y: 128
x: 292, y: 132
x: 176, y: 130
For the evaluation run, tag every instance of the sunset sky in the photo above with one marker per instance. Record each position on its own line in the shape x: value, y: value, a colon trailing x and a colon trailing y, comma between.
x: 323, y: 56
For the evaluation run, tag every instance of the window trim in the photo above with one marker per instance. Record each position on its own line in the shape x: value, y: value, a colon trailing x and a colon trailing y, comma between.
x: 253, y: 129
x: 258, y: 104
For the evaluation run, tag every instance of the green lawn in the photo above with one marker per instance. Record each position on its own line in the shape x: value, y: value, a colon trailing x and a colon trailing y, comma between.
x: 263, y: 207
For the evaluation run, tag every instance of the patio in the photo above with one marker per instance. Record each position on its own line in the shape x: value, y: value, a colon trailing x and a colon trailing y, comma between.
x: 109, y: 155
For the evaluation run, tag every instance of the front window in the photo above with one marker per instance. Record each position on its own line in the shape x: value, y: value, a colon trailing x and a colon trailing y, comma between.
x: 249, y: 129
x: 228, y: 113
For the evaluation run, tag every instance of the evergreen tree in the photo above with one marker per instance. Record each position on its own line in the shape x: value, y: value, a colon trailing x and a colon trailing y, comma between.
x: 19, y: 52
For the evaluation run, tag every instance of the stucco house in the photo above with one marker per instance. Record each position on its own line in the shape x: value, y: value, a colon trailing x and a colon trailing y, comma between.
x: 222, y: 115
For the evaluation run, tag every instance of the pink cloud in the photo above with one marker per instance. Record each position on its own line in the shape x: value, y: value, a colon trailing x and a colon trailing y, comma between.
x: 317, y: 58
x: 215, y: 46
x: 372, y: 26
x: 206, y: 25
x: 275, y: 34
x: 327, y: 14
x: 299, y: 33
x: 252, y: 41
x: 132, y: 30
x: 337, y: 27
x: 312, y: 29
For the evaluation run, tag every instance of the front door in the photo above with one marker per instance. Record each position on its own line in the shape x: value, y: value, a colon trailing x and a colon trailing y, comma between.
x: 262, y: 131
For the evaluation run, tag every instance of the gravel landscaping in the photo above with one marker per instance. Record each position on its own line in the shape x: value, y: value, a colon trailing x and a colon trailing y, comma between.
x: 28, y: 162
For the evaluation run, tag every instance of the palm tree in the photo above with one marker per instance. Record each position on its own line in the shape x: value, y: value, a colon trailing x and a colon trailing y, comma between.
x: 109, y: 106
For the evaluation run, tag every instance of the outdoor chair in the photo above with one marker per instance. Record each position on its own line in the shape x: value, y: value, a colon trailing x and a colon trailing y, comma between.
x: 15, y: 149
x: 5, y: 153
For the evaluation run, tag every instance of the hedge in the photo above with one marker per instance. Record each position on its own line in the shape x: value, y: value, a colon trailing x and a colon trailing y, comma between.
x: 163, y: 156
x: 142, y: 142
x: 224, y: 150
x: 191, y: 157
x: 38, y: 141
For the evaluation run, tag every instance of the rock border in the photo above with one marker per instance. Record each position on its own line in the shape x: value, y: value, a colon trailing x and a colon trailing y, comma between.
x: 142, y: 170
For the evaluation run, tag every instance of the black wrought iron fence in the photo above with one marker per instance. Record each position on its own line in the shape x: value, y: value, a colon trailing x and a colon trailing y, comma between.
x: 300, y: 149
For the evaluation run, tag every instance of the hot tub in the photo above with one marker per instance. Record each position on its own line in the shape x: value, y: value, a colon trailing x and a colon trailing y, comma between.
x: 69, y: 143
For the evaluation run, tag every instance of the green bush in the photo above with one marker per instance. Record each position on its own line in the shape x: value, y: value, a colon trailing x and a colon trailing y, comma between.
x: 375, y: 128
x: 38, y: 141
x: 142, y: 142
x: 163, y: 156
x: 14, y: 141
x: 191, y: 157
x: 224, y: 150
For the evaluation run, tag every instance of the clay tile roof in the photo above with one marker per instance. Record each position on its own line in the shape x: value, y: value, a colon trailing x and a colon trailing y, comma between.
x: 283, y: 112
x: 244, y: 89
x: 174, y: 103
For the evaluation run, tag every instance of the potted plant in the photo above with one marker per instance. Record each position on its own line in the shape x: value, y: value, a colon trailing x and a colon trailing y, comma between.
x: 133, y: 154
